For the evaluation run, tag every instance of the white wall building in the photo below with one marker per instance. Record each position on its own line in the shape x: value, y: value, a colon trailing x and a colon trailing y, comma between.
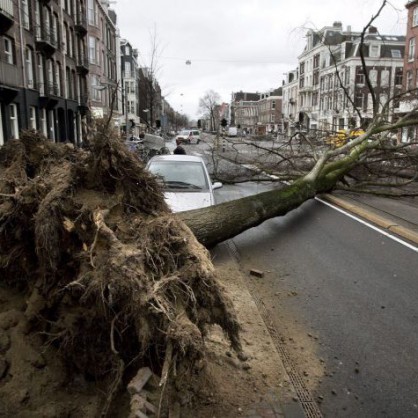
x: 331, y: 90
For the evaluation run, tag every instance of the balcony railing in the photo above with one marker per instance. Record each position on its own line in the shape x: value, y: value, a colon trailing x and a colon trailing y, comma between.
x: 46, y: 39
x: 81, y: 23
x: 82, y: 64
x: 6, y: 15
x: 6, y: 8
x: 9, y: 75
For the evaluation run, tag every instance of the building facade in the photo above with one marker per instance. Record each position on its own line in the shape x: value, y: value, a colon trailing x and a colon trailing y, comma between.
x: 269, y: 110
x: 332, y: 92
x: 42, y: 68
x: 409, y: 100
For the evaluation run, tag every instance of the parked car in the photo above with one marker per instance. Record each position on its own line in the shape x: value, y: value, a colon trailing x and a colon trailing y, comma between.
x: 189, y: 136
x: 186, y: 181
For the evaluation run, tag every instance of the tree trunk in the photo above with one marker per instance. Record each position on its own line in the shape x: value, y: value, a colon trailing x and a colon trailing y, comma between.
x: 218, y: 223
x: 215, y: 224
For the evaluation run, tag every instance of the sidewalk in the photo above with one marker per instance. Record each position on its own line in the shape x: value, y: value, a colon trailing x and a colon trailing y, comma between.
x: 276, y: 396
x: 396, y: 215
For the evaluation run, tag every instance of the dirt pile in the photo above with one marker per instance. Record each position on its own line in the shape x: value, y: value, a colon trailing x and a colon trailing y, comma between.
x: 97, y: 279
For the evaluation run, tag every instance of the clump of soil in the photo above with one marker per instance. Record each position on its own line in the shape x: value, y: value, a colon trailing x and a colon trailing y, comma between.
x: 97, y: 279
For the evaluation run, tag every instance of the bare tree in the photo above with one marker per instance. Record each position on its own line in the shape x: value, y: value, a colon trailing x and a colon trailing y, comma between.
x: 208, y: 105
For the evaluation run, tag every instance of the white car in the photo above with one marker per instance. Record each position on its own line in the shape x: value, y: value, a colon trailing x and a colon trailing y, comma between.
x: 186, y: 181
x: 189, y: 136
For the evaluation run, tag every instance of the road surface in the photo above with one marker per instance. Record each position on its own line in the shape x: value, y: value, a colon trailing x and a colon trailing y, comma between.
x: 344, y: 300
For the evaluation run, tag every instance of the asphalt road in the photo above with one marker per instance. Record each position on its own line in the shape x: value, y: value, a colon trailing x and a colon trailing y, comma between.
x: 355, y: 291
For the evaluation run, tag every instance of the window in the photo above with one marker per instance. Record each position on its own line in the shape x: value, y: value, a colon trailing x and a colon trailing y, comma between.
x: 92, y: 50
x: 127, y: 69
x: 58, y: 79
x: 316, y: 61
x: 359, y: 76
x: 32, y: 117
x: 302, y: 82
x: 9, y: 50
x: 44, y: 126
x: 50, y: 77
x: 41, y: 81
x: 25, y: 14
x: 411, y: 51
x: 384, y: 78
x: 373, y: 77
x: 273, y: 104
x: 91, y: 16
x: 302, y: 68
x: 14, y: 123
x: 347, y: 76
x: 29, y: 68
x: 374, y: 51
x: 398, y: 76
x: 409, y: 80
x: 65, y: 39
x: 415, y: 17
x: 358, y: 101
x: 395, y: 53
x: 95, y: 88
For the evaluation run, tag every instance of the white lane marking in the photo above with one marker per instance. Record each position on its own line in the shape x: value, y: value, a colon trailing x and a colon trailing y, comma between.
x: 375, y: 228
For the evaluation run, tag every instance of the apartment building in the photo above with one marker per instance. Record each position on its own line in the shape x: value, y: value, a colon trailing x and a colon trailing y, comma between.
x: 55, y: 58
x: 130, y: 96
x: 410, y: 72
x: 331, y: 88
x: 103, y: 44
x: 269, y: 110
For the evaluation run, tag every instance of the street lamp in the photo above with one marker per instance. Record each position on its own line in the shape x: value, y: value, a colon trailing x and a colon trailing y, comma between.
x: 146, y: 114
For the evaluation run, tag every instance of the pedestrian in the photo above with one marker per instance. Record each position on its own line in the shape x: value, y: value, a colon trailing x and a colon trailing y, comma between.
x: 179, y: 149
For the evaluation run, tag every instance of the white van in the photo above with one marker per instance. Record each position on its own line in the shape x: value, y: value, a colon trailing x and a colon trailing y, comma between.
x: 188, y: 136
x: 232, y: 131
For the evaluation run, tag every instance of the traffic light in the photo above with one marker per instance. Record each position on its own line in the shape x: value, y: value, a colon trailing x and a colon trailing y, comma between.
x: 199, y: 123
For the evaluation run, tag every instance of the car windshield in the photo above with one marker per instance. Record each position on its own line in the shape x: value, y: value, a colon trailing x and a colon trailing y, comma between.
x: 184, y: 132
x: 181, y: 175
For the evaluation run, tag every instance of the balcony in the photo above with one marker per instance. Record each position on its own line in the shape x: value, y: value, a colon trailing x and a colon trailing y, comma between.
x: 10, y: 81
x: 6, y: 15
x: 305, y: 89
x: 80, y: 25
x: 82, y: 65
x: 47, y: 93
x: 46, y: 40
x: 83, y: 103
x: 9, y: 75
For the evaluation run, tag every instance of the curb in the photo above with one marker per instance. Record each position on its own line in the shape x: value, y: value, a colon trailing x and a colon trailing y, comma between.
x: 381, y: 221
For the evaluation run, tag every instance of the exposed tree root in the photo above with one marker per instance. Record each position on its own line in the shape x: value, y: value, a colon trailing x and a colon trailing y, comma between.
x: 112, y: 279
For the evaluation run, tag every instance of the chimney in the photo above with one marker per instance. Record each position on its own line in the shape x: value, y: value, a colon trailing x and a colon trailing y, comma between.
x: 337, y: 25
x: 349, y: 29
x: 372, y: 29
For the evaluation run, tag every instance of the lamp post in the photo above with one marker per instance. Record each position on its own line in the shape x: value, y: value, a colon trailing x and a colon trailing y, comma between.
x: 146, y: 114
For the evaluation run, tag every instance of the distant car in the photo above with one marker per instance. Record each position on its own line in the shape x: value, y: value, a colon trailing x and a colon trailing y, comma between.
x: 186, y: 181
x: 189, y: 136
x: 232, y: 131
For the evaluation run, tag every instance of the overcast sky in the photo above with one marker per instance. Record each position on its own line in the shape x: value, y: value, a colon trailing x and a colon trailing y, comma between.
x: 236, y: 45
